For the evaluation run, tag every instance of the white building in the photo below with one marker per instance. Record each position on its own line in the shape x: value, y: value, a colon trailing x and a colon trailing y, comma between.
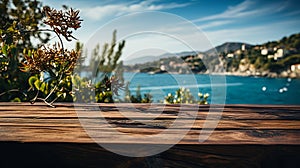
x: 279, y: 53
x: 243, y: 48
x: 230, y: 55
x: 295, y: 67
x: 270, y: 56
x: 201, y: 56
x: 264, y: 51
x: 163, y: 68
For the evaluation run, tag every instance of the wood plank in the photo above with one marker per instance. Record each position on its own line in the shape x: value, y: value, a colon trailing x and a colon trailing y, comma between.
x: 246, y: 135
x: 159, y: 124
x: 78, y: 135
x: 71, y: 113
x: 239, y: 124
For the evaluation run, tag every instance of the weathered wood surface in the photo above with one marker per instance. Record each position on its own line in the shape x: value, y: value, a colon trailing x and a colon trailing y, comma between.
x: 246, y: 136
x: 239, y: 124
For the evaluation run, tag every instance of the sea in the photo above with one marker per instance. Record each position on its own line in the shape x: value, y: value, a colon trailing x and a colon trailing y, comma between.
x: 222, y: 89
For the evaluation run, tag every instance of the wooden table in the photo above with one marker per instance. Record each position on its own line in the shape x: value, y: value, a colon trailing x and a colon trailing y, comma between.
x: 246, y: 135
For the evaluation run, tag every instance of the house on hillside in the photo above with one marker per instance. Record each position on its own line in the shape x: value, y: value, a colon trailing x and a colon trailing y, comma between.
x: 201, y: 56
x: 295, y: 68
x: 279, y: 54
x: 243, y: 48
x: 273, y: 53
x: 230, y: 55
x: 264, y: 51
x: 238, y: 52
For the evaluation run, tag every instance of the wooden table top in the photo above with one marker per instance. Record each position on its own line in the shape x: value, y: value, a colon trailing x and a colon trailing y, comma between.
x: 236, y: 124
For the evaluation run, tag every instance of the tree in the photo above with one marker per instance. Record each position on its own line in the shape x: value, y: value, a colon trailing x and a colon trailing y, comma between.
x: 22, y: 19
x: 19, y: 22
x: 56, y: 61
x: 107, y: 67
x: 296, y: 44
x: 107, y: 60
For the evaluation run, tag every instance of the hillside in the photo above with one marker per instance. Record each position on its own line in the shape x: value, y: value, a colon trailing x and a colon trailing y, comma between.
x: 150, y: 58
x: 227, y: 47
x: 272, y: 59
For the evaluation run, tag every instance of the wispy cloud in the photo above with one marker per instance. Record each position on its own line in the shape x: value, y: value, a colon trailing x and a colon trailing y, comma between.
x: 254, y: 34
x: 293, y: 13
x: 245, y: 9
x: 214, y: 24
x: 111, y: 10
x: 232, y: 11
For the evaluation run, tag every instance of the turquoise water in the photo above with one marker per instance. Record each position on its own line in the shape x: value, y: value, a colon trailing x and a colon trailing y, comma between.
x: 227, y: 89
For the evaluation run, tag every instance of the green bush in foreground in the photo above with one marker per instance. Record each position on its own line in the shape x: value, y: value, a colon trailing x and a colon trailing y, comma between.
x: 137, y: 98
x: 19, y: 24
x: 184, y: 96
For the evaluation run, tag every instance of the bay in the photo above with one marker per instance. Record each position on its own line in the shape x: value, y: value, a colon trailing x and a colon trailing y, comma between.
x: 227, y: 89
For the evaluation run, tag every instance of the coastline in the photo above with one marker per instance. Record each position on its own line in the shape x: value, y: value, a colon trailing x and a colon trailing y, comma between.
x: 265, y: 74
x: 258, y: 74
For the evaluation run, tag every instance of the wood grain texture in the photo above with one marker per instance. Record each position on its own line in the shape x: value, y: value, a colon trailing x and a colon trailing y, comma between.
x: 245, y: 136
x: 238, y: 124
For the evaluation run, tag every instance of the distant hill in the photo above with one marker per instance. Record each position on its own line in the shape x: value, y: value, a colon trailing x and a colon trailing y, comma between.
x: 225, y: 48
x: 140, y: 60
x: 272, y: 59
x: 145, y: 59
x: 228, y: 47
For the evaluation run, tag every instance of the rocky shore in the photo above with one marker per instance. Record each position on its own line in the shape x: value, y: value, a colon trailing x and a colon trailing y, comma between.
x: 284, y: 74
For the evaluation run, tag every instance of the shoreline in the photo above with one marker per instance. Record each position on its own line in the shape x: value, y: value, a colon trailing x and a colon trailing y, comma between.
x: 240, y: 74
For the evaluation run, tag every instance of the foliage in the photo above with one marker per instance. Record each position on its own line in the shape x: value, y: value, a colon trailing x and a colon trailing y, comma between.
x: 137, y: 98
x: 108, y: 87
x: 82, y: 89
x: 107, y: 60
x: 19, y: 21
x: 55, y: 61
x: 61, y: 22
x: 59, y: 63
x: 106, y: 66
x: 283, y: 63
x: 288, y: 61
x: 184, y: 96
x: 12, y: 80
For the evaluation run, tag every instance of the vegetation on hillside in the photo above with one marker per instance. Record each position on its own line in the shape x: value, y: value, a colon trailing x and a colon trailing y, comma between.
x: 274, y: 57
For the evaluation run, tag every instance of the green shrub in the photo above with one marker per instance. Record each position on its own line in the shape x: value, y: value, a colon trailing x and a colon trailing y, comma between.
x: 184, y: 96
x: 137, y: 98
x: 19, y: 23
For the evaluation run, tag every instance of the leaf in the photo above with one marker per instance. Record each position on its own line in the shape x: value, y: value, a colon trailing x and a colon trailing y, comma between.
x: 32, y: 80
x: 29, y: 53
x: 46, y: 91
x: 16, y: 100
x: 37, y: 84
x: 4, y: 50
x: 43, y: 87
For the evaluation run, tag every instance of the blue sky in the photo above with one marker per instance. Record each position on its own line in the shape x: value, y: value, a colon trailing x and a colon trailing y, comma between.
x: 250, y: 21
